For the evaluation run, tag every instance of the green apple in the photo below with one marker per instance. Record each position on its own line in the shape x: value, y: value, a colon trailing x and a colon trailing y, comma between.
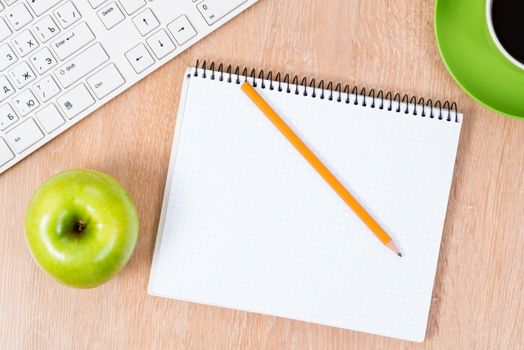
x: 81, y: 227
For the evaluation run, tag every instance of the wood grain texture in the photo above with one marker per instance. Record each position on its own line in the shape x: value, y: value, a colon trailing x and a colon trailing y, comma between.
x: 388, y: 44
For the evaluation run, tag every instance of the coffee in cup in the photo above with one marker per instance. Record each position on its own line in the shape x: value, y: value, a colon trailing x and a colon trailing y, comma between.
x: 506, y: 25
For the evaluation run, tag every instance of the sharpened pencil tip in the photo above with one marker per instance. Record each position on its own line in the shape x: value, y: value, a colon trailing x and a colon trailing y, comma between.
x: 391, y: 245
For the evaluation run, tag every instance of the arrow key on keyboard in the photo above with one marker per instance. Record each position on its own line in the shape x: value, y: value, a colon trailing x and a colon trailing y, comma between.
x: 140, y: 58
x: 161, y: 44
x: 146, y: 22
x: 182, y: 30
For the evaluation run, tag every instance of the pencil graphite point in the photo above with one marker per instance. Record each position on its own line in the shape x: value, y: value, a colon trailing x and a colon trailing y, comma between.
x: 391, y: 245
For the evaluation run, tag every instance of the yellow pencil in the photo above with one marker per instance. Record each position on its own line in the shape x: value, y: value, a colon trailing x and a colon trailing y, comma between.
x: 336, y: 185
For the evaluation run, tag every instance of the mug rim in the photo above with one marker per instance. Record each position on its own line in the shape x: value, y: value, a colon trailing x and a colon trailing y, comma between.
x: 489, y: 19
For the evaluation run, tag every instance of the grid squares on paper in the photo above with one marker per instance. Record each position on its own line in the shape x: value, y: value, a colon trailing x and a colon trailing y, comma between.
x: 250, y: 225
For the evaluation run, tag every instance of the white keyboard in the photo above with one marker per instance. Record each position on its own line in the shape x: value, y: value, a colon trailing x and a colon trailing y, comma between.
x: 62, y: 59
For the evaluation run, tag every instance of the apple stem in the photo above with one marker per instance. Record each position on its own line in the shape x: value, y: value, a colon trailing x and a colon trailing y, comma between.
x: 79, y: 226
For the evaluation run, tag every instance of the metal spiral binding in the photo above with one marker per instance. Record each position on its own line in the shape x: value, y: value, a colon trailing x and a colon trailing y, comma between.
x: 348, y: 94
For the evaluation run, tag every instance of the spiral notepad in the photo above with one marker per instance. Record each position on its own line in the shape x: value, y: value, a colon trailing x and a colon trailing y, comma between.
x: 248, y: 224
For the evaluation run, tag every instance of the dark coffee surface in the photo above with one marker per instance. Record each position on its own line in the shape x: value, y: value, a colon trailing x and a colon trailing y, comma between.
x: 508, y: 22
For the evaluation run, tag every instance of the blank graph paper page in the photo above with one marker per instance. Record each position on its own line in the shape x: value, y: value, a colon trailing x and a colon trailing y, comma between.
x: 248, y: 224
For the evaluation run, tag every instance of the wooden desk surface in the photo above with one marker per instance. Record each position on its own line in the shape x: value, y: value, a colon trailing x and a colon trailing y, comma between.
x: 478, y: 300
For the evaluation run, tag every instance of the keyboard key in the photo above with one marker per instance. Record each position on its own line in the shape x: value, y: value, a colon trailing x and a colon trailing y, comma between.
x: 43, y: 60
x: 5, y: 152
x: 81, y: 65
x: 4, y: 30
x: 67, y: 14
x: 73, y: 40
x: 75, y: 101
x: 96, y: 3
x: 182, y: 30
x: 46, y: 28
x: 10, y: 2
x: 7, y: 57
x: 7, y: 117
x: 41, y: 6
x: 140, y: 58
x: 46, y: 88
x: 18, y: 16
x: 106, y: 81
x: 24, y: 135
x: 131, y: 6
x: 50, y: 118
x: 146, y: 22
x: 111, y: 15
x: 6, y: 89
x: 22, y: 75
x: 161, y: 44
x: 25, y: 103
x: 213, y: 11
x: 25, y: 43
